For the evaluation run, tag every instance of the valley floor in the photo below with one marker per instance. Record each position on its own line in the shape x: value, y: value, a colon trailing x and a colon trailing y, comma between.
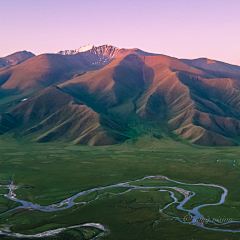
x: 49, y: 173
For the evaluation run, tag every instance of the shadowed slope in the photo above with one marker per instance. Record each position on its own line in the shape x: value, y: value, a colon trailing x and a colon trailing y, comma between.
x: 112, y: 85
x: 156, y: 90
x: 173, y: 102
x: 6, y: 123
x: 126, y: 94
x: 47, y: 69
x: 55, y: 115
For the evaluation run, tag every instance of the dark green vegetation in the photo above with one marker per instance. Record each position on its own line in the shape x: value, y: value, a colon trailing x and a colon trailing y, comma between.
x: 58, y: 171
x: 6, y: 204
x: 203, y: 194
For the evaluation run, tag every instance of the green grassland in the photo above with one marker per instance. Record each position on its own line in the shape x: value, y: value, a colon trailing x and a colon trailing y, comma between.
x: 203, y: 194
x: 57, y: 171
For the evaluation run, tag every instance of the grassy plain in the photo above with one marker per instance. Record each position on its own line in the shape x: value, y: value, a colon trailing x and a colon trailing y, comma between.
x: 59, y: 170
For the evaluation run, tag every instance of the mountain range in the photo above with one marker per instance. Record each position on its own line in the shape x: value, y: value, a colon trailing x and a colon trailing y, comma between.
x: 107, y: 95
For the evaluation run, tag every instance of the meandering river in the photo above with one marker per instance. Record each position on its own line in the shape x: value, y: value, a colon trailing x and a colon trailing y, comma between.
x: 193, y: 216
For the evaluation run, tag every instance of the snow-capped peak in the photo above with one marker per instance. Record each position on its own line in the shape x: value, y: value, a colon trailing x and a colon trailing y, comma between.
x: 100, y: 55
x: 81, y: 49
x: 85, y: 48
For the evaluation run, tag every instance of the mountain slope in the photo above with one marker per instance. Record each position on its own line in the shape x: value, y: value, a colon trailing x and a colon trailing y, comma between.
x: 213, y: 65
x: 42, y: 71
x: 155, y: 90
x: 216, y: 68
x: 55, y: 115
x: 47, y: 69
x: 106, y: 95
x: 15, y: 58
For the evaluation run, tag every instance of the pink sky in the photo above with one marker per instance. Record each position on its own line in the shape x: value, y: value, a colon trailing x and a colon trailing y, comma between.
x: 179, y: 28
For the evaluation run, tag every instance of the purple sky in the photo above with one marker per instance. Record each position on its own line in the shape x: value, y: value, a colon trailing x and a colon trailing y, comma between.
x: 179, y: 28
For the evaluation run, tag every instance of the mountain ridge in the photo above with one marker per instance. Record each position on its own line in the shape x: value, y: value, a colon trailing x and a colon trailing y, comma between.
x: 116, y: 95
x: 15, y: 58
